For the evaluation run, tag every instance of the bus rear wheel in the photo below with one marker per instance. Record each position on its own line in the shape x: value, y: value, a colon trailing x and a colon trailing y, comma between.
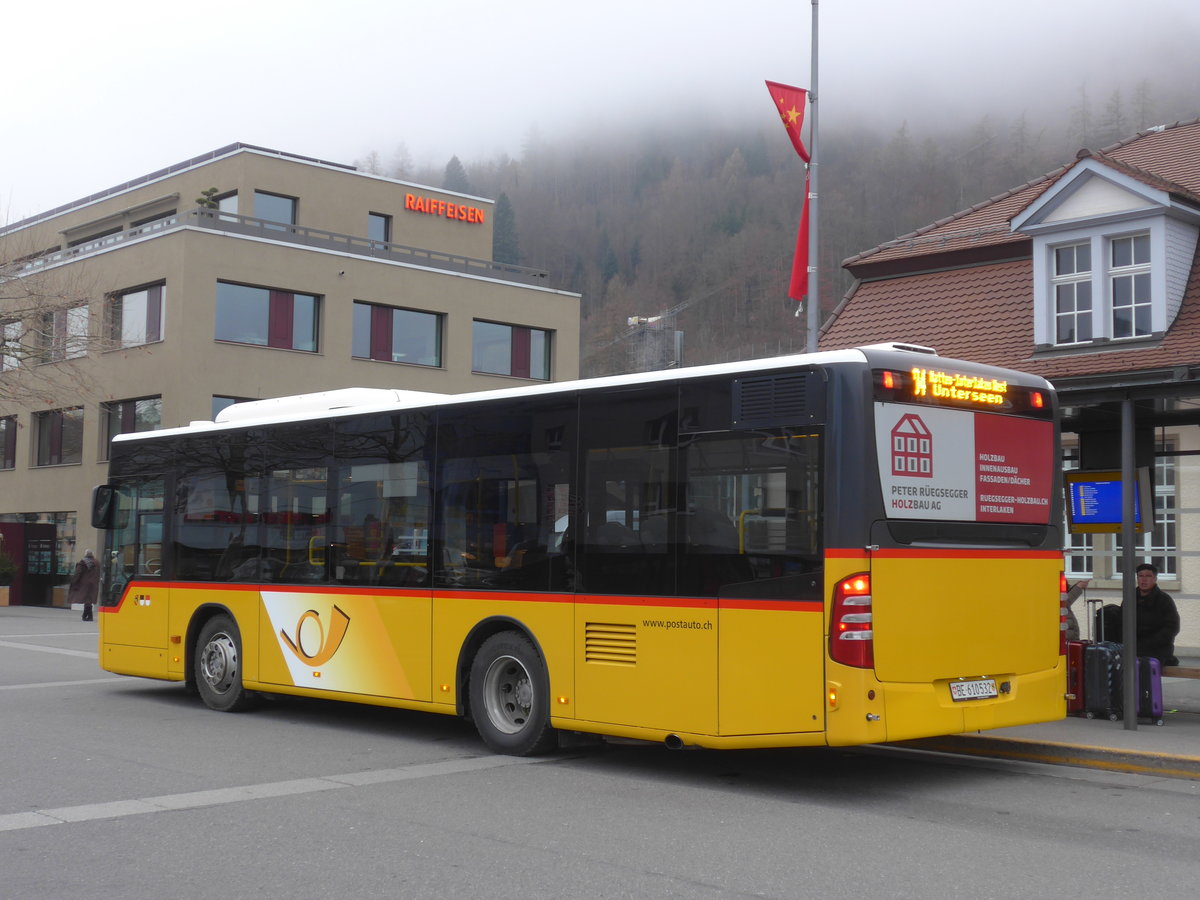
x: 509, y: 693
x: 218, y: 665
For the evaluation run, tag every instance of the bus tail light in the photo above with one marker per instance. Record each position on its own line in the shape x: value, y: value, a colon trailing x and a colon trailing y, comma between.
x: 851, y: 638
x: 1062, y: 613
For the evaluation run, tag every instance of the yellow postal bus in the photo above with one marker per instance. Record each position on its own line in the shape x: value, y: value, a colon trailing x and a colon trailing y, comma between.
x: 840, y: 548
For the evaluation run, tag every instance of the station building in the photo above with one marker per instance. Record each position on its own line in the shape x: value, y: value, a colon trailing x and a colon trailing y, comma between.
x: 245, y: 273
x: 1089, y: 276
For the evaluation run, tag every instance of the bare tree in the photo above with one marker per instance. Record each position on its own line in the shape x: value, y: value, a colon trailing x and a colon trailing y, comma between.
x: 49, y: 326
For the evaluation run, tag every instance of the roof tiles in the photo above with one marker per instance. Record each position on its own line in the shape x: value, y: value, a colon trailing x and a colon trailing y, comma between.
x: 968, y: 306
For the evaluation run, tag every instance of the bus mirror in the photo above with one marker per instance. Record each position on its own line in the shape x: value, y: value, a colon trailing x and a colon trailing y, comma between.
x: 105, y: 507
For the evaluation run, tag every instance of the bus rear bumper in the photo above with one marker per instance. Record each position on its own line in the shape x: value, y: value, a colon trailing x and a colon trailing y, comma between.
x: 928, y: 710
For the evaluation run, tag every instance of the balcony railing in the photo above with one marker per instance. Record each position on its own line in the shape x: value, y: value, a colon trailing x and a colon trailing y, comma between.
x: 231, y: 223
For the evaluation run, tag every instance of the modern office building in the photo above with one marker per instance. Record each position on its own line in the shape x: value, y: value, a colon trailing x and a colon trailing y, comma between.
x: 245, y: 273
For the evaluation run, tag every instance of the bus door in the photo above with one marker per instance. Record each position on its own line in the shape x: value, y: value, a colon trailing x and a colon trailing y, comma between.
x: 134, y: 598
x: 752, y: 534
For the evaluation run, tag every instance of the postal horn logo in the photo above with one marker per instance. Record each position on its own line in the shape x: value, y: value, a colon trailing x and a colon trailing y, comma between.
x: 314, y: 645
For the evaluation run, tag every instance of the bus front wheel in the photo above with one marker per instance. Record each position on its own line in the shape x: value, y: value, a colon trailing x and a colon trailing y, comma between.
x: 218, y: 665
x: 509, y: 694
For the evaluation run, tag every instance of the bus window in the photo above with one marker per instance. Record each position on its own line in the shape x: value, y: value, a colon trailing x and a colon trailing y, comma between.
x: 216, y: 527
x: 752, y: 510
x: 504, y: 499
x: 295, y: 518
x: 383, y: 506
x: 627, y: 532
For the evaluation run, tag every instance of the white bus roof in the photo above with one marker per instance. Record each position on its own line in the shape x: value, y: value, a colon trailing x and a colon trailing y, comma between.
x: 328, y: 404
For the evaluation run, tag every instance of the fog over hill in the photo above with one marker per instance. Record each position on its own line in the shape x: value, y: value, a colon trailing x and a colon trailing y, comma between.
x: 697, y: 220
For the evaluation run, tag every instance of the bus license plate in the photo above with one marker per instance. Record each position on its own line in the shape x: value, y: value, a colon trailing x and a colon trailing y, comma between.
x: 973, y: 690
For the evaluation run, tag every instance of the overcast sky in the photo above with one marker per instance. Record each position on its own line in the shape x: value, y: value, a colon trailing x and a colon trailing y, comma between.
x: 97, y: 93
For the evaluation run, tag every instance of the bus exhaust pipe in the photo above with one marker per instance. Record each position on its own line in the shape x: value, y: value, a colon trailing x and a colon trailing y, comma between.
x: 674, y: 742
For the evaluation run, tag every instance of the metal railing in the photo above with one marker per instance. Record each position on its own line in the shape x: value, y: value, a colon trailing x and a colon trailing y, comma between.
x: 303, y: 235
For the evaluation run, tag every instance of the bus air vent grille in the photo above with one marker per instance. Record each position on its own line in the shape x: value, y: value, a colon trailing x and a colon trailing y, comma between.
x: 610, y: 644
x: 772, y: 400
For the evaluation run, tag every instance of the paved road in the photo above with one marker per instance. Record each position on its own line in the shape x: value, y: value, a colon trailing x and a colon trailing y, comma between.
x: 117, y: 787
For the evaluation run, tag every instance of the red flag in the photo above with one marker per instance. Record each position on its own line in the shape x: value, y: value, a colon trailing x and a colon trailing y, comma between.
x: 798, y: 286
x: 790, y: 103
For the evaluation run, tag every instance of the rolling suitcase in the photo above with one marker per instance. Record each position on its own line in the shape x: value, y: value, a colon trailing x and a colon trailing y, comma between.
x: 1149, y: 689
x: 1075, y: 687
x: 1102, y: 680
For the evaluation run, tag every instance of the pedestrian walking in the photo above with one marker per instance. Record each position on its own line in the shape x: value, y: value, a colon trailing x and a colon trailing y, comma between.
x: 85, y: 583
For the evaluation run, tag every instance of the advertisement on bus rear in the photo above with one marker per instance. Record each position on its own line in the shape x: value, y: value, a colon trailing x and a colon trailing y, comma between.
x: 964, y: 466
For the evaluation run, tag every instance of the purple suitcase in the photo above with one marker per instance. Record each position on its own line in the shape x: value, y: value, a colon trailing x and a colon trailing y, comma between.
x: 1149, y: 689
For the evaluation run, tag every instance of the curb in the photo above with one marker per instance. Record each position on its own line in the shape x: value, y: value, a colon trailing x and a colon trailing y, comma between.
x: 1132, y: 761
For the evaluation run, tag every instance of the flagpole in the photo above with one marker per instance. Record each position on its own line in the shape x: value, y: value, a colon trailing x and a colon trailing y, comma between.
x: 814, y: 300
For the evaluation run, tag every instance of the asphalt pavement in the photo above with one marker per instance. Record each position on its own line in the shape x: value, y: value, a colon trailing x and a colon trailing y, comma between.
x: 1169, y: 750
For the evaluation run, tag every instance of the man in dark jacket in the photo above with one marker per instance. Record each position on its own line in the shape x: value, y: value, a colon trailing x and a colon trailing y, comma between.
x: 1157, y: 618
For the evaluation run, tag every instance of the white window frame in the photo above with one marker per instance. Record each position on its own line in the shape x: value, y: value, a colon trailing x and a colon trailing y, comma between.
x: 1047, y: 280
x: 1079, y: 282
x: 1137, y: 275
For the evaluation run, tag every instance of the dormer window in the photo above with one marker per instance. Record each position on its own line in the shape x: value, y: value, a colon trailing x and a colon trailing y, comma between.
x: 1073, y: 293
x: 1111, y: 255
x: 1129, y: 284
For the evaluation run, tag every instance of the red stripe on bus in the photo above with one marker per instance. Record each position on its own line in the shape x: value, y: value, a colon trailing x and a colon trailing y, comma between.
x: 940, y: 553
x: 809, y: 606
x: 494, y: 596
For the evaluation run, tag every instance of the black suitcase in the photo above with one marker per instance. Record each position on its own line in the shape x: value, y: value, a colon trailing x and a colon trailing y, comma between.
x: 1102, y: 680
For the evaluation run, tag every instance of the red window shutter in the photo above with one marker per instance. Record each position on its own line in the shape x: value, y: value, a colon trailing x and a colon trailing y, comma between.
x: 279, y: 324
x: 154, y: 313
x: 520, y: 352
x: 381, y: 333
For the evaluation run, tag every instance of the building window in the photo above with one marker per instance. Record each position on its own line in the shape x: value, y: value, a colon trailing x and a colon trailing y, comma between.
x: 227, y: 205
x: 64, y: 334
x: 379, y: 227
x: 1079, y: 547
x: 510, y: 350
x: 10, y: 345
x: 1129, y: 284
x: 219, y: 403
x: 397, y: 335
x: 266, y: 317
x: 275, y: 208
x: 59, y: 436
x: 136, y: 317
x: 1073, y: 293
x: 8, y: 442
x: 125, y: 416
x: 1159, y: 546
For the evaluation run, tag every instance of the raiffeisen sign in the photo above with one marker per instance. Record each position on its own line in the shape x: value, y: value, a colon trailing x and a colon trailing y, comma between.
x: 444, y: 208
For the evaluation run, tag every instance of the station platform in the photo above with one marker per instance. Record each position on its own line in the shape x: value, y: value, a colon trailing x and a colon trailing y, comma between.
x: 1169, y: 750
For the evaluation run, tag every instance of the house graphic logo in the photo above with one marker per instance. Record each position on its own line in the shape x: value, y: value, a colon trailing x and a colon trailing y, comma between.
x: 912, y: 448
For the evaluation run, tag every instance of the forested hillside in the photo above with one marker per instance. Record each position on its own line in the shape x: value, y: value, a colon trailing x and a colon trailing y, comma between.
x: 700, y: 223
